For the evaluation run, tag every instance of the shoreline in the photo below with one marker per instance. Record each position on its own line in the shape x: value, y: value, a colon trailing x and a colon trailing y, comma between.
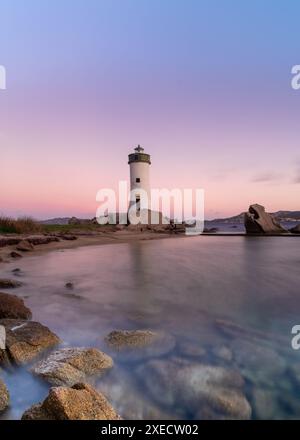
x: 103, y: 238
x: 80, y: 241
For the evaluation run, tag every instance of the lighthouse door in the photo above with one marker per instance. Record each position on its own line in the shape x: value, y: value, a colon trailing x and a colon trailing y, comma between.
x: 138, y: 202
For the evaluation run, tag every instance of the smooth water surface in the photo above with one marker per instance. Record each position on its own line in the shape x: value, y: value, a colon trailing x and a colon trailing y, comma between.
x: 183, y: 286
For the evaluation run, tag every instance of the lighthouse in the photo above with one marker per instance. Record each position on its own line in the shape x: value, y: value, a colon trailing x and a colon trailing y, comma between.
x: 139, y: 163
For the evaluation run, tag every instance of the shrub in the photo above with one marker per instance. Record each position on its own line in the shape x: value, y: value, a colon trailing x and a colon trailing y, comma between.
x: 21, y: 225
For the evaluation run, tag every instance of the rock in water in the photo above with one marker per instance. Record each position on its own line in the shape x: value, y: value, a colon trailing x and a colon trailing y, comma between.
x: 200, y: 387
x: 258, y: 221
x: 4, y: 396
x: 81, y: 402
x: 122, y: 388
x: 138, y: 344
x: 13, y: 307
x: 265, y: 403
x: 9, y: 284
x: 260, y: 364
x: 25, y: 340
x: 71, y: 365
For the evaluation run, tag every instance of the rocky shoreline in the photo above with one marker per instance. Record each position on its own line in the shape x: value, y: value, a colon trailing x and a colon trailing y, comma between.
x: 210, y: 382
x: 16, y: 246
x: 69, y: 370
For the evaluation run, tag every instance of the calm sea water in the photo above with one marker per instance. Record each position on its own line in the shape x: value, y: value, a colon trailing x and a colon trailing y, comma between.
x: 182, y: 286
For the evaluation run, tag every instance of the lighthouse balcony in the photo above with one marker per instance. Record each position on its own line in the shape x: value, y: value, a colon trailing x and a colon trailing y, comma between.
x: 139, y: 157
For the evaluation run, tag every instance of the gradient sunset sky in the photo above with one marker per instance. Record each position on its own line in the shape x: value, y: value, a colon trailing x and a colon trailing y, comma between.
x: 203, y: 85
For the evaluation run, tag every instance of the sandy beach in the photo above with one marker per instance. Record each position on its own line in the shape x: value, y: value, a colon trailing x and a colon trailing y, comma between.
x: 123, y: 236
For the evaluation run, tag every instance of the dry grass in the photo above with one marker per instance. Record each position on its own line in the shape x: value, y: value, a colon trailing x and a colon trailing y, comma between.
x: 21, y: 225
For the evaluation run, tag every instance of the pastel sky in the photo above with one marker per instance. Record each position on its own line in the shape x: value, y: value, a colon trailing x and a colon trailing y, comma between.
x: 203, y: 85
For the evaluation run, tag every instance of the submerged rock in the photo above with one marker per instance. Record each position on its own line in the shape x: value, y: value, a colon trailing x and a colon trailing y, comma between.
x: 68, y: 366
x: 125, y: 393
x: 235, y: 331
x: 258, y: 363
x: 25, y: 340
x: 258, y: 221
x: 294, y: 371
x: 138, y: 344
x: 4, y: 396
x: 223, y: 352
x: 25, y: 246
x: 81, y: 402
x: 188, y: 348
x: 13, y: 307
x: 5, y: 283
x: 197, y: 386
x: 265, y: 404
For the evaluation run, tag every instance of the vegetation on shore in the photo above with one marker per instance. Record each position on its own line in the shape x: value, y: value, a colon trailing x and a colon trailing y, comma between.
x: 27, y: 225
x: 21, y: 225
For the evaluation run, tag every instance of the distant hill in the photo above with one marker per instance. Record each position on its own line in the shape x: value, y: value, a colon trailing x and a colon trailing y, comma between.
x: 283, y: 216
x: 287, y: 216
x: 56, y: 221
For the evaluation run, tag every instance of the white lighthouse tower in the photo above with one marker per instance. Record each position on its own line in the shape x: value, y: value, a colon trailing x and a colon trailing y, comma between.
x: 139, y: 163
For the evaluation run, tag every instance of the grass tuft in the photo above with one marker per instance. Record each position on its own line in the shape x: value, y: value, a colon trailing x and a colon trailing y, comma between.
x: 21, y: 225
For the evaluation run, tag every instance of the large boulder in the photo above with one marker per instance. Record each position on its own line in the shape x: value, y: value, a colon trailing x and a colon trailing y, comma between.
x: 4, y: 396
x: 258, y: 221
x: 13, y: 307
x: 205, y: 390
x: 25, y: 340
x: 6, y: 283
x: 81, y: 402
x: 139, y: 344
x: 68, y: 366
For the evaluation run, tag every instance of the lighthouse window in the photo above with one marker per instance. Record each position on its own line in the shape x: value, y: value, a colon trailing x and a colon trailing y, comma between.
x: 137, y: 180
x: 136, y: 156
